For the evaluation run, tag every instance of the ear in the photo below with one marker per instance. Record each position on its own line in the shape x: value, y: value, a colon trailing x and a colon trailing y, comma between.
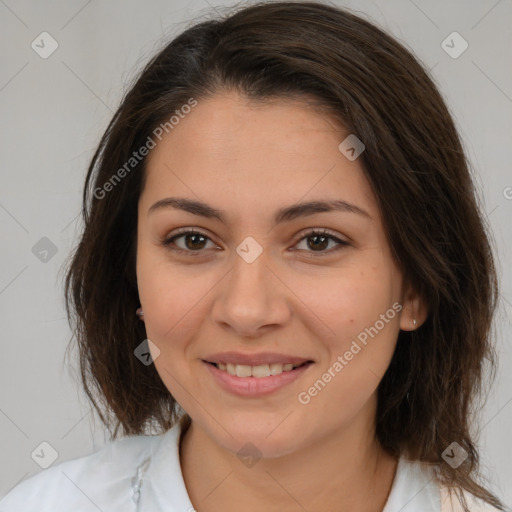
x: 140, y: 313
x: 414, y: 308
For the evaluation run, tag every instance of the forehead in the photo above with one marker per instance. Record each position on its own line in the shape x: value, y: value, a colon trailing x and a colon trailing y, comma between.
x: 231, y: 126
x: 229, y: 150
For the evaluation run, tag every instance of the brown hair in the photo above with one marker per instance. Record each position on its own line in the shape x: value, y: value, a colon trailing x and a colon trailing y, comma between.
x: 418, y: 171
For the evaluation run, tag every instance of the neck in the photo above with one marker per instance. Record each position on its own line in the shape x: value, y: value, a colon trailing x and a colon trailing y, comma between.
x: 345, y: 470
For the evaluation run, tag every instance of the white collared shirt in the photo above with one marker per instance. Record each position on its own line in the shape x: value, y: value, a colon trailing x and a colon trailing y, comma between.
x: 143, y: 474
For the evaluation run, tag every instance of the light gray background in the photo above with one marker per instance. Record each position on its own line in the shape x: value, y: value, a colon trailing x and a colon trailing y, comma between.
x: 53, y: 112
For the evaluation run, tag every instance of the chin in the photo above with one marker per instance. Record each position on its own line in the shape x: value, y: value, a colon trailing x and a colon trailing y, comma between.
x: 252, y: 437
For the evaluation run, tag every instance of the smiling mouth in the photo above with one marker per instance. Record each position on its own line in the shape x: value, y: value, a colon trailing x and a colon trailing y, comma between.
x: 260, y: 371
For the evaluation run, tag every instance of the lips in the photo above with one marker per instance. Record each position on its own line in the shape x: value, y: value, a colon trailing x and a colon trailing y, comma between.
x: 254, y: 386
x: 257, y: 374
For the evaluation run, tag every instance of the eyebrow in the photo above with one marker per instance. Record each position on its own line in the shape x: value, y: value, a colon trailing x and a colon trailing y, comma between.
x: 286, y: 214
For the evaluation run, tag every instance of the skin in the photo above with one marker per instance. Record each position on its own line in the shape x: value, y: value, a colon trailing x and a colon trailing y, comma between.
x: 250, y: 160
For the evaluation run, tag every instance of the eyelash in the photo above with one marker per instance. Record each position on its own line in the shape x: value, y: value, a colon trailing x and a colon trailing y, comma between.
x: 316, y: 232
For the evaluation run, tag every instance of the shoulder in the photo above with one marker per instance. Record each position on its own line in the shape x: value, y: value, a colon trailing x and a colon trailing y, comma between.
x: 417, y: 488
x: 102, y: 480
x: 414, y: 488
x: 450, y: 503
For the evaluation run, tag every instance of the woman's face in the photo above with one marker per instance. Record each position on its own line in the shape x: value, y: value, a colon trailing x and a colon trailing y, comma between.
x: 255, y: 288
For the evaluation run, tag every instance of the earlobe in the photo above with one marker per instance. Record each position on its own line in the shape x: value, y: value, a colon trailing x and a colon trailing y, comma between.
x: 414, y: 312
x: 140, y: 313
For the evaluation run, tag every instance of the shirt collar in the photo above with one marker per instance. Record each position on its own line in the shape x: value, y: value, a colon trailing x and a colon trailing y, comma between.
x: 162, y: 486
x: 415, y: 489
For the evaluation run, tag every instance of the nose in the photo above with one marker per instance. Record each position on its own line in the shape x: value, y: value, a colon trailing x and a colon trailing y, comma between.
x: 252, y: 299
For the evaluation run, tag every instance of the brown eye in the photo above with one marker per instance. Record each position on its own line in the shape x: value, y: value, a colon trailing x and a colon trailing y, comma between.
x: 193, y: 241
x: 318, y: 241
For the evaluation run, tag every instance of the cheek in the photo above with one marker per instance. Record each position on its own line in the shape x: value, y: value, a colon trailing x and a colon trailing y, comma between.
x: 173, y: 313
x: 172, y: 303
x: 174, y: 299
x: 358, y: 310
x: 352, y: 301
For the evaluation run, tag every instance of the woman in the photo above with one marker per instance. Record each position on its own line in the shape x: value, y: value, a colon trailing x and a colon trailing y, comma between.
x: 284, y: 271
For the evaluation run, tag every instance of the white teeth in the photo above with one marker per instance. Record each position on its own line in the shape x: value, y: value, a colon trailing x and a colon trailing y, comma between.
x: 243, y: 370
x: 262, y: 370
x: 276, y: 369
